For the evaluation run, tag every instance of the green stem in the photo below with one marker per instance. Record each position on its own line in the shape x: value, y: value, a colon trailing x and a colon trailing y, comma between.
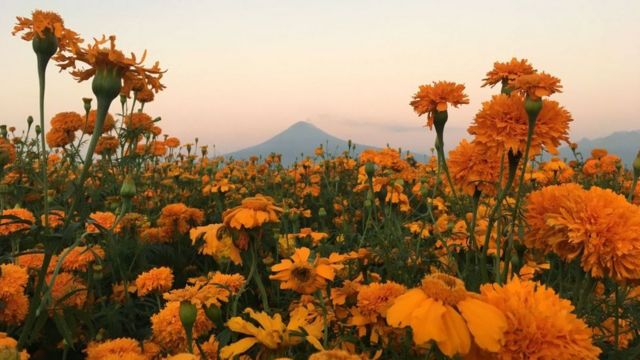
x: 258, y: 280
x: 634, y: 183
x: 42, y: 67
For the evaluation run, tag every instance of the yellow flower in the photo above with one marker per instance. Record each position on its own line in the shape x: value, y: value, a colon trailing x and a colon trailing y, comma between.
x: 252, y: 213
x: 271, y: 332
x: 217, y: 242
x: 121, y: 348
x: 443, y: 311
x: 303, y: 276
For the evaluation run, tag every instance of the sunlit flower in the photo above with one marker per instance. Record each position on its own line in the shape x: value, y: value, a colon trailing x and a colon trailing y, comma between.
x: 437, y: 97
x: 302, y: 274
x: 540, y: 325
x: 443, y: 311
x: 504, y: 72
x: 536, y: 85
x: 217, y: 242
x: 42, y: 23
x: 253, y: 212
x: 474, y: 169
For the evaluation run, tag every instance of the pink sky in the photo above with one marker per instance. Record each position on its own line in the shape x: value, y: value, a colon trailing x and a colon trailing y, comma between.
x: 241, y: 71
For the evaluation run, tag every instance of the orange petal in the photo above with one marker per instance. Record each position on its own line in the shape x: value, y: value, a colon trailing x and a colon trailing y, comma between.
x: 486, y: 322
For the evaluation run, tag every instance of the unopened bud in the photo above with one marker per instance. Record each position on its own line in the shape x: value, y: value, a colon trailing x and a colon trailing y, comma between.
x: 29, y: 120
x: 370, y: 169
x: 128, y: 189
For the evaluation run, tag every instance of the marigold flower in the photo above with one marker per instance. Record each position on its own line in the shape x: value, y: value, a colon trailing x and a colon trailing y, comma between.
x: 67, y: 121
x: 335, y: 354
x: 172, y: 142
x: 42, y: 23
x: 436, y: 97
x: 473, y: 169
x: 503, y: 72
x: 79, y: 258
x: 56, y: 218
x: 443, y: 311
x: 168, y: 331
x: 68, y: 291
x: 502, y: 125
x: 536, y: 85
x: 271, y: 332
x: 139, y: 121
x: 597, y: 225
x: 373, y: 302
x: 15, y: 304
x: 90, y: 123
x: 11, y: 226
x: 107, y: 145
x: 217, y: 242
x: 303, y: 276
x: 540, y: 325
x: 253, y: 212
x: 211, y: 290
x: 121, y: 348
x: 180, y: 218
x: 100, y: 58
x: 104, y: 219
x: 9, y: 348
x: 59, y: 138
x: 156, y: 280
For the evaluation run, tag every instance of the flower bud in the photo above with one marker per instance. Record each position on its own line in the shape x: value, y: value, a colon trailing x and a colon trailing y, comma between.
x: 3, y: 131
x: 188, y: 313
x: 636, y: 165
x: 532, y: 107
x: 128, y: 189
x: 87, y: 104
x: 107, y: 83
x: 45, y: 46
x: 29, y: 120
x: 214, y: 314
x: 322, y: 212
x: 370, y: 169
x: 38, y: 129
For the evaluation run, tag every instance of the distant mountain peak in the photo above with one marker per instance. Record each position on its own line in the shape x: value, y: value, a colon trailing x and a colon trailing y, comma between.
x: 302, y: 125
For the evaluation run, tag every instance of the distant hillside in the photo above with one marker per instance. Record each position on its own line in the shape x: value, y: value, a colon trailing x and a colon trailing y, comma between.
x: 297, y: 141
x: 622, y: 143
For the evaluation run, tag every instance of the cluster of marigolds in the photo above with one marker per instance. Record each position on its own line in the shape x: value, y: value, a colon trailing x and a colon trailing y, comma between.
x: 155, y: 250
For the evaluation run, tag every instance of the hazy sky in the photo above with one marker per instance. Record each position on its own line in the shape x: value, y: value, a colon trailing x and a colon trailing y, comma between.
x: 241, y: 71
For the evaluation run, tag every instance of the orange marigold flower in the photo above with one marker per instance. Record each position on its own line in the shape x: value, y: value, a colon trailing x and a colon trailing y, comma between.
x: 13, y: 281
x: 436, y: 97
x: 252, y: 213
x: 373, y: 302
x: 90, y: 123
x: 502, y: 124
x: 42, y: 23
x: 68, y: 291
x: 503, y: 72
x: 168, y: 331
x: 536, y: 85
x: 68, y: 121
x: 121, y: 348
x: 180, y: 218
x: 473, y: 169
x: 103, y: 219
x: 156, y: 280
x: 443, y: 311
x: 98, y: 57
x: 58, y: 138
x: 24, y: 220
x: 213, y: 289
x: 335, y: 354
x: 597, y: 225
x: 56, y: 218
x: 303, y: 276
x: 217, y: 242
x: 172, y: 142
x: 540, y: 325
x: 107, y: 145
x: 79, y: 258
x: 7, y: 151
x: 139, y: 121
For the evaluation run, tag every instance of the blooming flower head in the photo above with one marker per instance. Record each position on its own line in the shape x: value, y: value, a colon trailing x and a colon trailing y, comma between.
x: 180, y: 218
x: 507, y: 71
x: 474, y: 169
x: 304, y: 275
x: 42, y: 23
x: 68, y: 290
x: 168, y: 331
x: 213, y: 289
x: 120, y: 348
x: 134, y: 75
x: 80, y: 257
x: 101, y: 220
x: 442, y: 310
x: 540, y: 325
x: 13, y: 281
x: 23, y: 221
x: 502, y: 125
x: 253, y: 212
x: 371, y: 308
x: 536, y: 85
x: 159, y: 280
x: 437, y: 97
x: 271, y: 333
x: 217, y: 242
x: 89, y: 125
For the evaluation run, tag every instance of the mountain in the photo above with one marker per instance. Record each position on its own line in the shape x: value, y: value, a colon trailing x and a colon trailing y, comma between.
x: 622, y: 143
x: 298, y: 141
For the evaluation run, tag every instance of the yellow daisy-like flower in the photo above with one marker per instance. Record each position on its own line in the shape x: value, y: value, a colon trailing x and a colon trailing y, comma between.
x: 302, y: 275
x: 253, y: 212
x: 217, y: 242
x: 442, y: 310
x: 271, y: 332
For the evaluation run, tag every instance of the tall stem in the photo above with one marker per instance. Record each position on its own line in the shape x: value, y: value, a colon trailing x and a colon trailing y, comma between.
x: 42, y: 67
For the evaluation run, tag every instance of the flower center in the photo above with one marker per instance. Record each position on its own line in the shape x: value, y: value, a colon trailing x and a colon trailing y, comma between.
x: 302, y: 273
x: 446, y: 288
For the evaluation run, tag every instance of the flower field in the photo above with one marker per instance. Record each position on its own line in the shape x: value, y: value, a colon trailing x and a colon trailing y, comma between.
x: 121, y: 242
